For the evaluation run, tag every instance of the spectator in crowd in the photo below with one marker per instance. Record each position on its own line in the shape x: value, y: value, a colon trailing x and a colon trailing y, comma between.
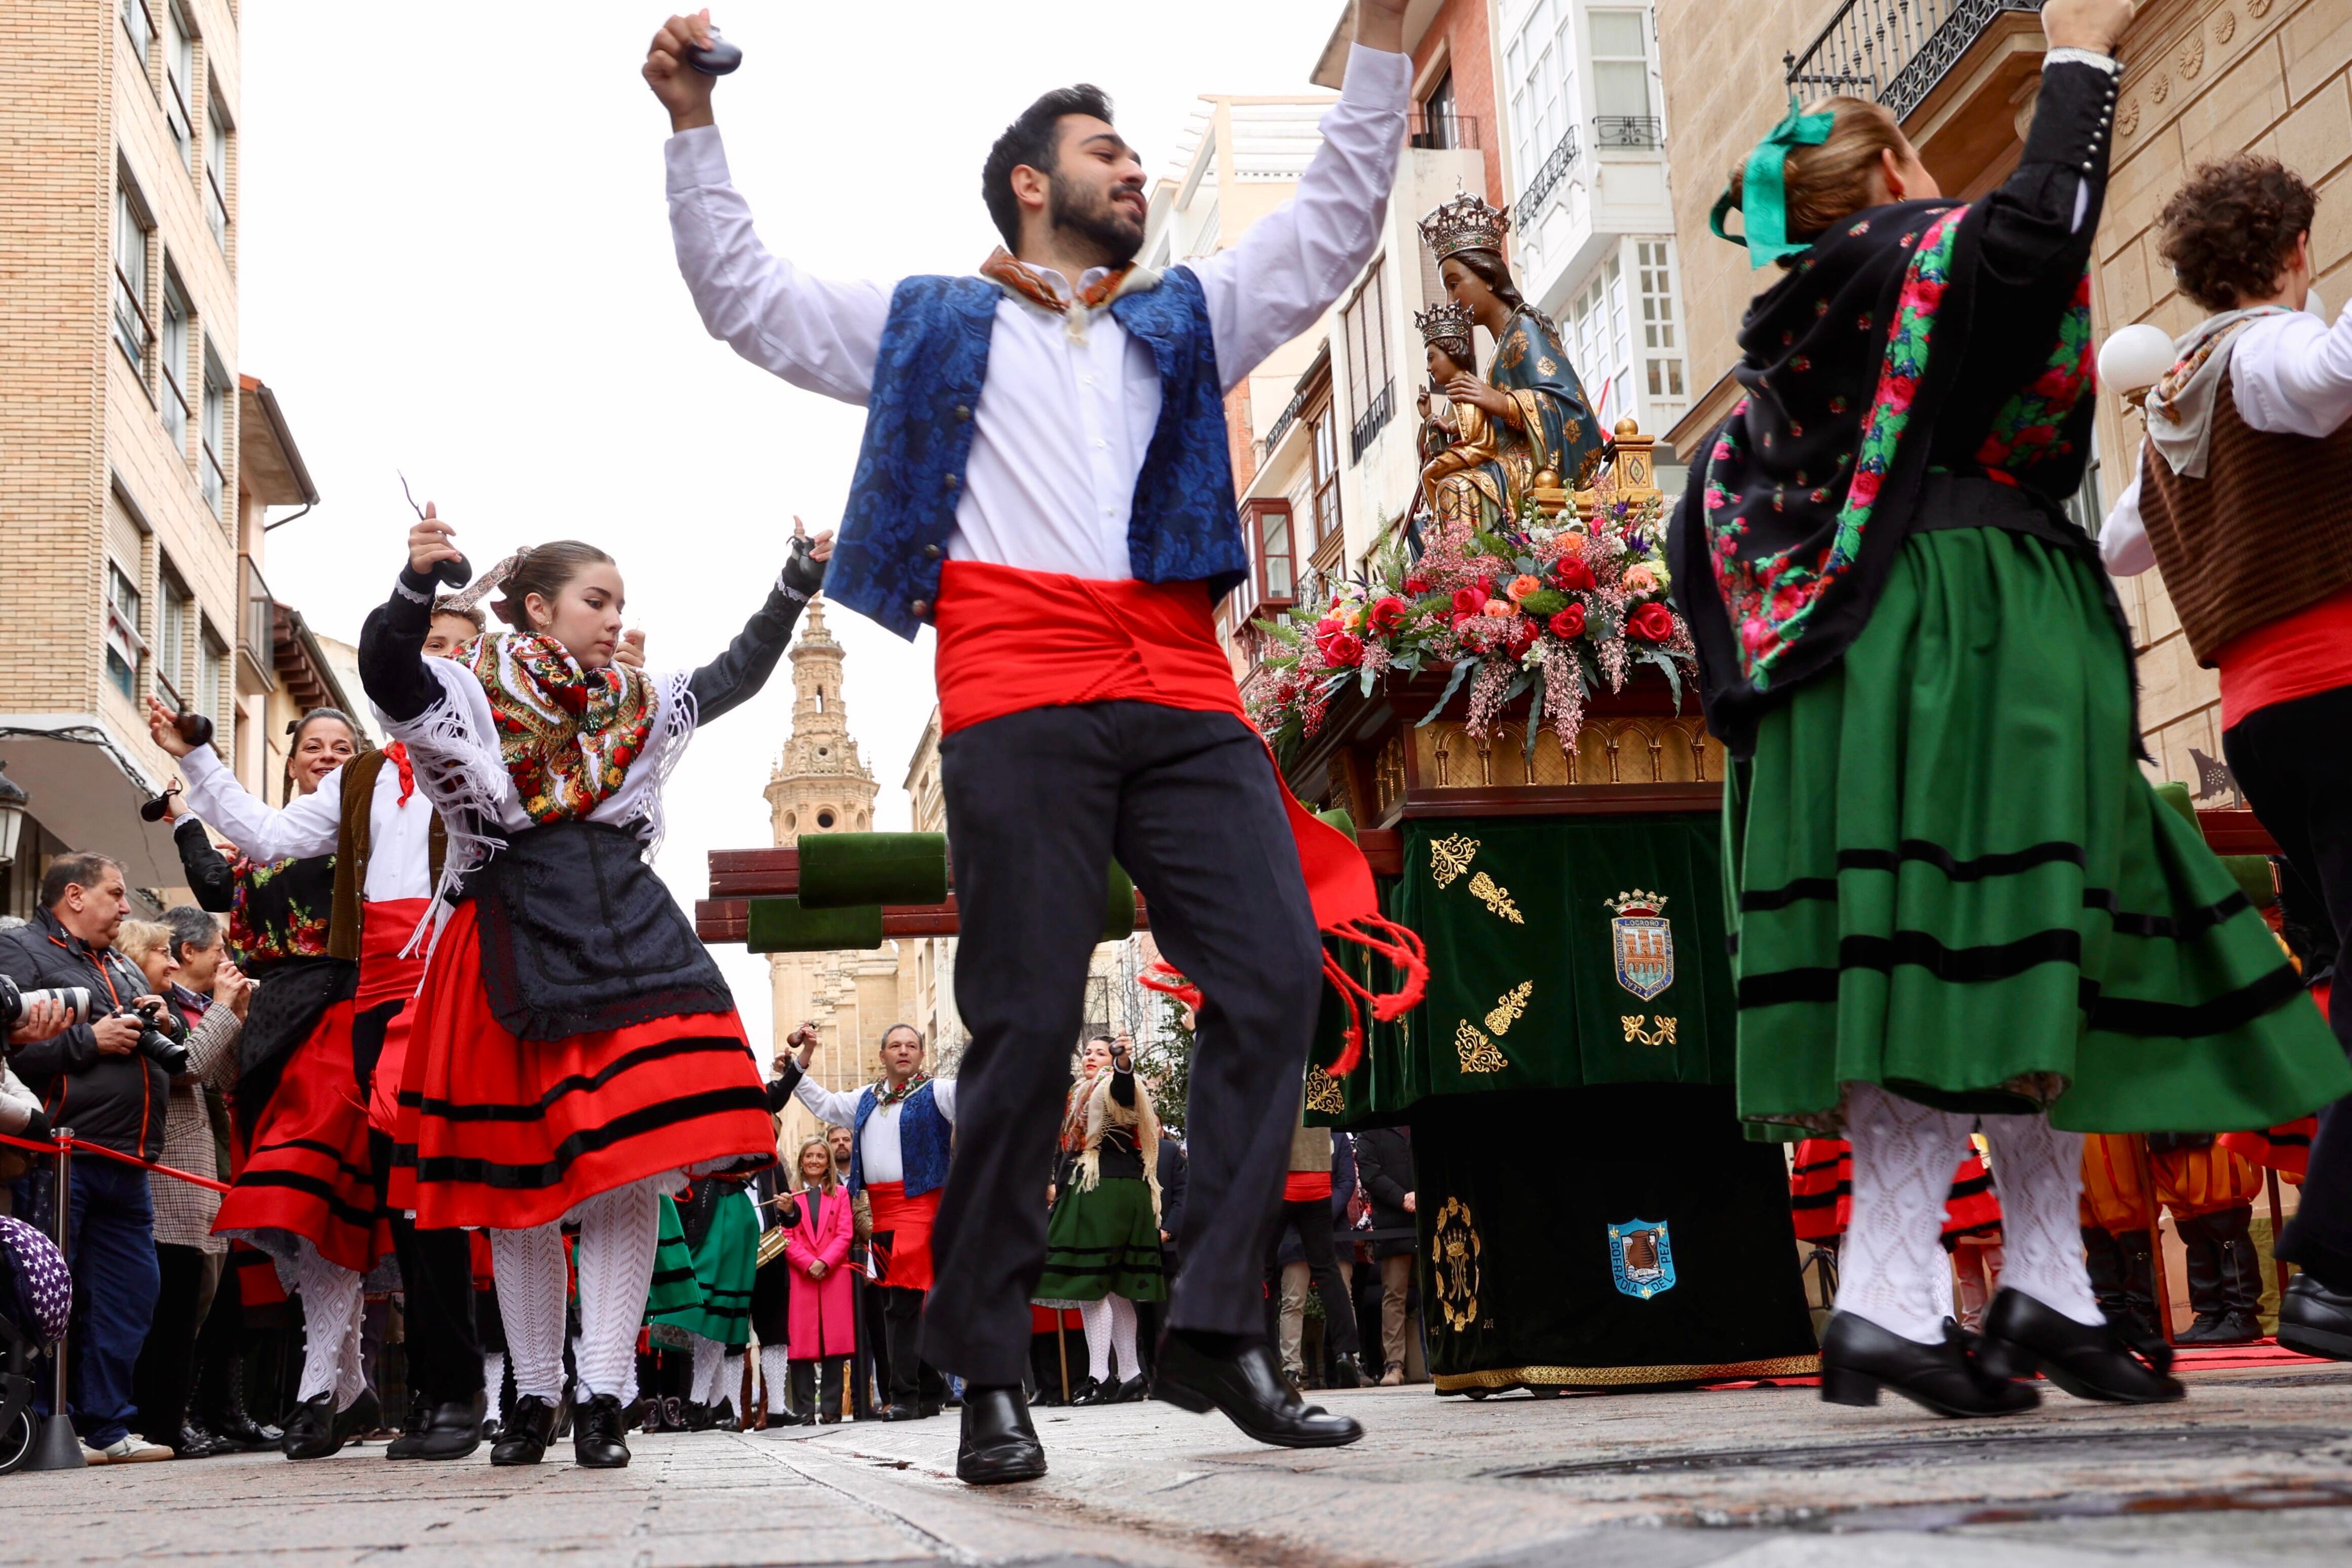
x: 185, y: 958
x: 822, y: 1329
x: 1384, y: 1167
x: 94, y: 1078
x: 1314, y: 1204
x: 20, y: 1108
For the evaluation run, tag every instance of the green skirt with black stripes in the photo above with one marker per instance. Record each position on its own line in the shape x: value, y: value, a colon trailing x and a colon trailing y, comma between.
x: 723, y: 1269
x: 1949, y: 877
x: 1103, y: 1240
x: 675, y: 1288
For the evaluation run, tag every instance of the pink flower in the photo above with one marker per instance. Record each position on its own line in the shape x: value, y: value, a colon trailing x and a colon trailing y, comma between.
x: 1640, y: 579
x: 1521, y: 586
x: 1497, y: 609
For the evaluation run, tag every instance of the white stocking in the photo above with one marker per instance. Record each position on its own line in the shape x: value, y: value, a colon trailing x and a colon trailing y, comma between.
x: 619, y: 1232
x: 1122, y: 1336
x: 2038, y: 1171
x: 531, y: 1280
x: 1892, y: 1270
x: 494, y: 1379
x: 710, y: 1356
x: 332, y: 1303
x: 776, y: 1376
x: 1095, y: 1316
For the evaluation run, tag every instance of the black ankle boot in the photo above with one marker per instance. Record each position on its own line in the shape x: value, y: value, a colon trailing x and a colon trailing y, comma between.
x: 2201, y: 1250
x: 2089, y: 1360
x: 598, y: 1442
x: 2138, y: 1323
x: 311, y: 1431
x: 448, y: 1431
x: 997, y: 1444
x: 234, y: 1424
x: 1859, y: 1358
x: 2315, y: 1319
x: 529, y: 1426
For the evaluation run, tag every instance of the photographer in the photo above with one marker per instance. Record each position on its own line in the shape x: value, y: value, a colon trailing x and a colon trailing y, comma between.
x: 102, y: 1079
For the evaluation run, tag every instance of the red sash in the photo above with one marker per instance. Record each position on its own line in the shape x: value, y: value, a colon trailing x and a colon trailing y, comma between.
x: 908, y: 1223
x: 1012, y: 640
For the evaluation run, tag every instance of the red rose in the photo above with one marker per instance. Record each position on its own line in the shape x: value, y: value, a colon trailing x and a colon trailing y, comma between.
x: 1573, y: 574
x: 1416, y: 584
x: 1327, y: 626
x: 1388, y: 613
x: 1568, y: 622
x: 1468, y: 601
x: 1652, y: 623
x: 1343, y: 652
x: 1466, y: 629
x: 1523, y: 634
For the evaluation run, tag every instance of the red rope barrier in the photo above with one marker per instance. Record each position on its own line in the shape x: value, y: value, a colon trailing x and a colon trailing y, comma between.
x: 76, y: 1143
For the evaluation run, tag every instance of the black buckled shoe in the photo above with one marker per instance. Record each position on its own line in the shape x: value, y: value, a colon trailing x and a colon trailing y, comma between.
x: 529, y: 1426
x: 723, y: 1416
x: 998, y: 1444
x: 1859, y: 1358
x: 598, y: 1442
x: 2315, y: 1319
x: 449, y: 1431
x: 1247, y: 1383
x: 1093, y: 1391
x: 2089, y: 1360
x: 311, y: 1431
x: 1133, y: 1389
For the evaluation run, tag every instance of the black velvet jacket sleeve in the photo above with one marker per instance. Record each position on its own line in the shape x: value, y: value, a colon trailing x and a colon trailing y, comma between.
x: 2040, y: 221
x: 736, y: 675
x: 781, y: 1087
x: 391, y: 649
x: 209, y: 877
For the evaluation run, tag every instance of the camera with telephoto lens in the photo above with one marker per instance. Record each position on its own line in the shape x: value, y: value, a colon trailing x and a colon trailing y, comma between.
x: 153, y: 1043
x: 14, y: 1004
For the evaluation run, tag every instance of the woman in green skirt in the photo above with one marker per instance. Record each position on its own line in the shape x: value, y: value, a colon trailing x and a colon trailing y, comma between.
x: 720, y: 1229
x: 1954, y: 900
x: 1102, y: 1244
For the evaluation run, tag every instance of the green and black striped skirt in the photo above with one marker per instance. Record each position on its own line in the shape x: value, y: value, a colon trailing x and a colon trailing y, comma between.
x: 723, y: 1269
x: 1103, y: 1241
x: 1949, y: 877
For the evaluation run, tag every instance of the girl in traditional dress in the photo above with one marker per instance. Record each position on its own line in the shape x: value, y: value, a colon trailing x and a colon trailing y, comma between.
x: 574, y: 1045
x: 1956, y: 898
x: 1102, y: 1244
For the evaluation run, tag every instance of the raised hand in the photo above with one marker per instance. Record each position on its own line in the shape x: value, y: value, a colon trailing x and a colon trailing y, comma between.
x: 632, y: 651
x: 163, y: 728
x: 429, y: 542
x: 805, y: 1039
x: 682, y: 90
x: 2092, y: 24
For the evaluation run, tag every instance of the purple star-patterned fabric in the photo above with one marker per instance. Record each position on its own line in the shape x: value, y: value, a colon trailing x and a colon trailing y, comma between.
x: 44, y: 1290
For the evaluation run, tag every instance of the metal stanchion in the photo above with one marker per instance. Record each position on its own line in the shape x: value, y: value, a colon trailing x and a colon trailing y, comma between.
x: 56, y: 1448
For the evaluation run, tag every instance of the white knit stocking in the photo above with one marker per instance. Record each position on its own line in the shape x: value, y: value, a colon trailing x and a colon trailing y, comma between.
x: 1122, y: 1335
x: 332, y: 1303
x: 710, y: 1360
x: 776, y: 1377
x: 619, y: 1233
x: 1095, y: 1317
x: 1891, y: 1270
x: 2038, y: 1171
x: 531, y: 1280
x: 494, y: 1380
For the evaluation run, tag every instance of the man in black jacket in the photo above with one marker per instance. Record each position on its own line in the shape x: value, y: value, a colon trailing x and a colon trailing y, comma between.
x: 93, y: 1079
x: 1384, y: 1166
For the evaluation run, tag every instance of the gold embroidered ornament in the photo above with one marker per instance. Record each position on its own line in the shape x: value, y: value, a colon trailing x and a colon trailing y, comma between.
x: 1453, y: 1249
x: 1496, y: 897
x: 1664, y: 1034
x: 1477, y: 1052
x: 1323, y: 1093
x: 1450, y: 856
x: 1509, y: 1009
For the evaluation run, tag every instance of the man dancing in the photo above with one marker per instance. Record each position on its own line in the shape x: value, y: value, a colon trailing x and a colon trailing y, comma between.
x: 1045, y: 478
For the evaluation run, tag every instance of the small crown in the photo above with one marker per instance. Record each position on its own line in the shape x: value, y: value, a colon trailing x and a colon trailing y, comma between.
x: 1444, y: 323
x: 1636, y: 902
x: 1466, y: 223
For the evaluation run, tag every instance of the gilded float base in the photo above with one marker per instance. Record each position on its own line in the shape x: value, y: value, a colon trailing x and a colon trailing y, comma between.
x: 1625, y: 1376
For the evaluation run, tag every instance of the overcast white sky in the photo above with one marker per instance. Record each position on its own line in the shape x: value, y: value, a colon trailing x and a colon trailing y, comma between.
x: 456, y: 262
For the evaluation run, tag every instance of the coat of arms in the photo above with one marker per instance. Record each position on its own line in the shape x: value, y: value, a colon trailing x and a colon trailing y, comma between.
x: 1644, y: 942
x: 1641, y: 1258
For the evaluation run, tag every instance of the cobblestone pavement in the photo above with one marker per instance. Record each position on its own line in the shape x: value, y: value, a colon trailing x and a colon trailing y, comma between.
x: 2255, y: 1467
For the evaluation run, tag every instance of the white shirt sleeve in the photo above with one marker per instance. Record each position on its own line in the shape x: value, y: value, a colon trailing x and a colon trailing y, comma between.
x: 2292, y: 373
x: 2123, y: 538
x: 264, y: 833
x: 826, y: 1105
x: 1279, y: 278
x: 821, y: 336
x: 943, y: 1096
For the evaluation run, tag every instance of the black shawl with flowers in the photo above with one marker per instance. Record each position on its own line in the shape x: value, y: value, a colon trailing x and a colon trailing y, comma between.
x: 1923, y: 364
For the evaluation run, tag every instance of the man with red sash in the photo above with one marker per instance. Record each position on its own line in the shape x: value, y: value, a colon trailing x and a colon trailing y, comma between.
x: 1045, y: 477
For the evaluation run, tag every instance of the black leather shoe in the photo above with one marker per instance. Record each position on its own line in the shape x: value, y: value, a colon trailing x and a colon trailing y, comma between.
x: 311, y: 1431
x: 903, y: 1413
x: 1133, y: 1389
x: 530, y: 1423
x: 1346, y: 1372
x: 597, y: 1441
x: 448, y: 1431
x: 2089, y: 1360
x: 2225, y: 1328
x: 723, y: 1416
x: 195, y: 1443
x: 998, y: 1444
x: 2315, y: 1319
x: 1093, y: 1392
x: 698, y: 1417
x: 1247, y: 1385
x: 1859, y: 1358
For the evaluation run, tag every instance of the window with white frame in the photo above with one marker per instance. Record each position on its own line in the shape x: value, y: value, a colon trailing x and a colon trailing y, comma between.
x: 1621, y: 79
x: 213, y: 678
x: 134, y: 238
x: 175, y: 629
x: 123, y: 644
x: 215, y: 473
x: 1364, y: 331
x: 179, y: 73
x: 1661, y: 360
x: 1540, y: 65
x: 139, y: 24
x: 217, y: 168
x: 1595, y: 329
x: 172, y: 367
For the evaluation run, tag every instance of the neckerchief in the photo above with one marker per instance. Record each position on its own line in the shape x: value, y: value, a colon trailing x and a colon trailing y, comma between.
x: 2180, y: 406
x: 885, y: 1095
x: 1001, y: 269
x: 566, y: 735
x: 397, y: 755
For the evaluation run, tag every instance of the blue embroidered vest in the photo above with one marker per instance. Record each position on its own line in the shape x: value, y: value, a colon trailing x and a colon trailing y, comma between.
x: 1184, y: 526
x: 923, y: 1138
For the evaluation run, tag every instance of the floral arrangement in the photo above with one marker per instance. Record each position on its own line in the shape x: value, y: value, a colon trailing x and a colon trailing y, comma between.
x: 1554, y: 609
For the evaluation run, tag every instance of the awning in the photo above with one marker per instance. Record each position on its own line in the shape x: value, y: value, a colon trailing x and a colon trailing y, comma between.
x: 86, y: 790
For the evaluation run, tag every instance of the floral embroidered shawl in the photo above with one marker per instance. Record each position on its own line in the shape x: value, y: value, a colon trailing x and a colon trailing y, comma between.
x: 566, y: 735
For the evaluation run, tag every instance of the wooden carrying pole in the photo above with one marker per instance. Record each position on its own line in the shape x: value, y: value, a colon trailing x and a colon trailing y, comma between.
x: 2154, y: 1238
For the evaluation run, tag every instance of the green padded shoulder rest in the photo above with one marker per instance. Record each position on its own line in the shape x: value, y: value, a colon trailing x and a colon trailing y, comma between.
x: 1119, y: 909
x: 842, y: 869
x: 786, y: 925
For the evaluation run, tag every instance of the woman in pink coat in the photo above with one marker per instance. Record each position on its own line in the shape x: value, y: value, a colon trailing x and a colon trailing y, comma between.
x: 823, y: 1319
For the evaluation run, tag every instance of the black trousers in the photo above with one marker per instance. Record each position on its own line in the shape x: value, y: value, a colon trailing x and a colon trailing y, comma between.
x: 2294, y: 762
x: 906, y: 1374
x: 1310, y: 1220
x: 1039, y: 804
x: 166, y: 1368
x: 436, y: 1290
x: 801, y: 1395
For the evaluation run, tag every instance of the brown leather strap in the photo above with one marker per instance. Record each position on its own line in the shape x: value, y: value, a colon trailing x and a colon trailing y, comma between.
x: 352, y: 846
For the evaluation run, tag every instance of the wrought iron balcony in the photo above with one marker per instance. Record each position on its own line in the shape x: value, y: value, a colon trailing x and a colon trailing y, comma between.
x: 1435, y: 130
x: 1547, y: 178
x: 1895, y: 51
x: 1628, y: 131
x: 1373, y: 420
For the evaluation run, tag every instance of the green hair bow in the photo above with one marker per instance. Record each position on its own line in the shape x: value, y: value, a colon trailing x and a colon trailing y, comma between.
x: 1764, y: 200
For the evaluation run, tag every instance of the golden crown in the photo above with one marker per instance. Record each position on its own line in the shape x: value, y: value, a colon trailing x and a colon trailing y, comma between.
x: 1466, y: 223
x: 1444, y: 323
x: 1636, y: 902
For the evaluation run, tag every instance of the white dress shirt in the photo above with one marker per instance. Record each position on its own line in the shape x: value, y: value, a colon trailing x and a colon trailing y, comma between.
x: 399, y: 842
x: 1062, y: 427
x: 878, y: 1146
x: 2289, y: 375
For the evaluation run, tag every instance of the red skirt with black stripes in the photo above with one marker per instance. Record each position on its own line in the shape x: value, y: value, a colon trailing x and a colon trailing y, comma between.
x: 510, y: 1133
x: 307, y: 1170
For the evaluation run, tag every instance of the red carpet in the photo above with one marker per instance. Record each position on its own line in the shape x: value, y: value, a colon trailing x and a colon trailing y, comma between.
x: 2188, y: 1359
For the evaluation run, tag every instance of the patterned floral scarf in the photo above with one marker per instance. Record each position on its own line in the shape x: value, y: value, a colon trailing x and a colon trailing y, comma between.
x: 885, y: 1095
x: 566, y: 735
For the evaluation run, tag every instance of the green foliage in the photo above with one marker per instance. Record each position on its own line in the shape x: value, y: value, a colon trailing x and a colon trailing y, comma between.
x: 1166, y: 1066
